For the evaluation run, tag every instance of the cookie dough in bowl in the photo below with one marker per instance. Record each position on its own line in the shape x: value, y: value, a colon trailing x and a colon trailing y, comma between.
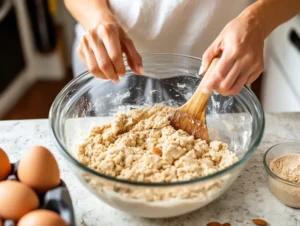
x: 141, y: 145
x: 119, y: 142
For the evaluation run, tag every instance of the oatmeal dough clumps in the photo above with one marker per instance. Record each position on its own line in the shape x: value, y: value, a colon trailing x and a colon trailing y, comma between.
x: 142, y: 146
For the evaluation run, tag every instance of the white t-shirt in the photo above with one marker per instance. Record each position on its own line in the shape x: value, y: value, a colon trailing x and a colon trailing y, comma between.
x: 174, y: 26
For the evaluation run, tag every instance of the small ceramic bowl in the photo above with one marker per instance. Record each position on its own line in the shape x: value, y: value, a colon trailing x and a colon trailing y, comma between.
x: 285, y: 191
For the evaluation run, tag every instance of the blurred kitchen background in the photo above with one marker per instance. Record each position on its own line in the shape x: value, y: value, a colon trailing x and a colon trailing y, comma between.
x: 35, y: 50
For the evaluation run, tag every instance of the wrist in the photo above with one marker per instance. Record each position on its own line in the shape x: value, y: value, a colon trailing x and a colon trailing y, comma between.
x: 101, y: 16
x: 272, y: 13
x: 106, y: 17
x: 252, y: 17
x: 257, y: 17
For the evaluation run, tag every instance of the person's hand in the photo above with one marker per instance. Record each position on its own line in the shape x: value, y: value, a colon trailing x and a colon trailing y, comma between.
x: 240, y: 45
x: 101, y: 50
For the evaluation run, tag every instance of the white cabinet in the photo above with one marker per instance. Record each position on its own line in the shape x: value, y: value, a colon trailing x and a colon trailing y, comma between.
x: 277, y: 94
x: 281, y: 81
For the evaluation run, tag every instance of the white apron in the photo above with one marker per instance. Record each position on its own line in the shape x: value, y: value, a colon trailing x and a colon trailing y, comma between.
x: 170, y: 26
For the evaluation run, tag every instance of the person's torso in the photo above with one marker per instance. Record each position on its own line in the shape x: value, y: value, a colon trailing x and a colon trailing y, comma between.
x: 175, y: 26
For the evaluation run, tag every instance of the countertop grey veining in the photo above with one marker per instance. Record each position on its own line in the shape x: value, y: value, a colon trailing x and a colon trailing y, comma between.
x: 248, y: 197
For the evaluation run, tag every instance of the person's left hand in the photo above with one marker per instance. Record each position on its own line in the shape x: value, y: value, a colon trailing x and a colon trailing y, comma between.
x: 241, y: 45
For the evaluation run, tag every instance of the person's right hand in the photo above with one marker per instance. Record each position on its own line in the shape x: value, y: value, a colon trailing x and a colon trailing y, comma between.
x: 101, y: 50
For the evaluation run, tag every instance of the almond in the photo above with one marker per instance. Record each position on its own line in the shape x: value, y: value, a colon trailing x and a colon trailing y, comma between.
x: 259, y: 222
x: 226, y: 224
x: 214, y: 224
x: 157, y: 151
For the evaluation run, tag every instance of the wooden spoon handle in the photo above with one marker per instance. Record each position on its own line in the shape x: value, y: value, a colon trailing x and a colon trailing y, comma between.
x: 197, y: 104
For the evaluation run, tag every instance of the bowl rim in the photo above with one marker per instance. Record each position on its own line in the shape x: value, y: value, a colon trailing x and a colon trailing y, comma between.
x: 76, y: 163
x: 269, y: 171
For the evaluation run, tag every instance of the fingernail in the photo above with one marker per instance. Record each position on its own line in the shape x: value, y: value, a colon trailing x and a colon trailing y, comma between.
x: 121, y: 75
x: 141, y: 70
x: 205, y: 90
x: 201, y: 70
x: 116, y: 80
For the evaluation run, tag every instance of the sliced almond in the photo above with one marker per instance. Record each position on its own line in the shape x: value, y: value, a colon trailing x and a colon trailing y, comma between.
x: 259, y: 222
x: 157, y: 151
x: 214, y: 224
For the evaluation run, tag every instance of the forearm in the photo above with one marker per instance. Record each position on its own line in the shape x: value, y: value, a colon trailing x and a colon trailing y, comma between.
x: 272, y: 13
x: 90, y: 13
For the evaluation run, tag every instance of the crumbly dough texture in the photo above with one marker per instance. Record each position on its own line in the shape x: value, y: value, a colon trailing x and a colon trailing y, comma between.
x: 141, y: 145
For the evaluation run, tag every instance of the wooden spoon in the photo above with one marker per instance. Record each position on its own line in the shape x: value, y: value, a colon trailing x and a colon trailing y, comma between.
x: 190, y: 117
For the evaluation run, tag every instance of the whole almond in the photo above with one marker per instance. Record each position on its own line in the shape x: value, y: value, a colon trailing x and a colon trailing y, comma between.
x: 214, y: 224
x: 157, y: 151
x: 226, y: 224
x: 259, y: 222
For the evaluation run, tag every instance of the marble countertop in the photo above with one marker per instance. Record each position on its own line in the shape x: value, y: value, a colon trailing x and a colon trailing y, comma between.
x: 248, y: 197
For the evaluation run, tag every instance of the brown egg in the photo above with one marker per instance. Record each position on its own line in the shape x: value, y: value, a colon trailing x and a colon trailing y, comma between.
x: 5, y: 166
x: 16, y: 200
x: 42, y: 217
x: 39, y: 170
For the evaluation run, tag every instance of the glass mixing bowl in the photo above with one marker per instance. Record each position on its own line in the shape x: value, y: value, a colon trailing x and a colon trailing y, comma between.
x: 171, y: 80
